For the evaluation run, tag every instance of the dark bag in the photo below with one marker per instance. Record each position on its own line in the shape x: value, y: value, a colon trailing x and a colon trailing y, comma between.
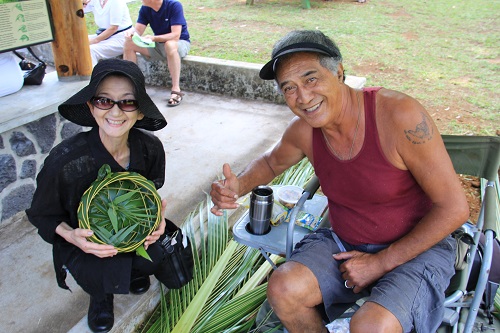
x: 176, y: 268
x: 33, y: 74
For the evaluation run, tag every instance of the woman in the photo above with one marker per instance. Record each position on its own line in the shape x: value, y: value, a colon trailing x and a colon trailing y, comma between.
x: 113, y: 19
x: 116, y: 105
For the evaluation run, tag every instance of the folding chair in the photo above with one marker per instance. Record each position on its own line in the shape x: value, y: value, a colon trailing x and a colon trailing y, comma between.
x: 477, y: 156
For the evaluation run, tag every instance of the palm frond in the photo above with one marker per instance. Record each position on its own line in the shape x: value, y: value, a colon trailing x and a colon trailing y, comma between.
x: 228, y: 287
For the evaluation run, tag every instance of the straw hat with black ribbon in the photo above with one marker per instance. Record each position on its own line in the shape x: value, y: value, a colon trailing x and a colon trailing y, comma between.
x: 76, y: 109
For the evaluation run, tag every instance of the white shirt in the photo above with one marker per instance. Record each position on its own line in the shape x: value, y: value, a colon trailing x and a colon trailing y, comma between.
x: 114, y: 12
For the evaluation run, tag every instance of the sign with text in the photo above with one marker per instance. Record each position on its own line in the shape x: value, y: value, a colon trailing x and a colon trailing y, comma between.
x: 25, y: 23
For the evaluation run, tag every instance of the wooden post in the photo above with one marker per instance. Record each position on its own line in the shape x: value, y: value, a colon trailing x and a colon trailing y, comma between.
x: 71, y: 44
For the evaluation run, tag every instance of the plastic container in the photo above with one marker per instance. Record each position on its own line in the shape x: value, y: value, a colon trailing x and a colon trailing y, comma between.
x: 288, y: 195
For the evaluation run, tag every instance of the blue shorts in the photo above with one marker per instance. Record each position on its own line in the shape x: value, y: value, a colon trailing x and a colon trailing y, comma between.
x: 413, y: 292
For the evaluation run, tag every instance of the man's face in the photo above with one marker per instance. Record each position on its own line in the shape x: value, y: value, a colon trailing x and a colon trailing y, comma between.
x: 311, y: 91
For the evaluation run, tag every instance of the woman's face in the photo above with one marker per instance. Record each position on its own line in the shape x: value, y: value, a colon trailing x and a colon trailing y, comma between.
x: 115, y: 123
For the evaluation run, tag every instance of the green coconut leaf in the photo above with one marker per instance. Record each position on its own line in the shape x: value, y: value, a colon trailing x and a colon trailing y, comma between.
x: 123, y: 197
x: 141, y: 251
x: 229, y: 304
x: 113, y: 219
x: 119, y: 238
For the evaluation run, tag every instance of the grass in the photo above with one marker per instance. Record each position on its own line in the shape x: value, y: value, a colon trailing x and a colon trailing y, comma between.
x: 444, y: 53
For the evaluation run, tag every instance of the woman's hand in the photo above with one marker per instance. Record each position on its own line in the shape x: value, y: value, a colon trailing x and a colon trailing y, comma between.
x: 155, y: 235
x: 78, y: 237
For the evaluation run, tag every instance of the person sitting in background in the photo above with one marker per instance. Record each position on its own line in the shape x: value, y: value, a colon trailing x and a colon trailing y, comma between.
x: 119, y: 111
x: 171, y: 38
x: 12, y: 75
x: 393, y: 196
x: 113, y: 19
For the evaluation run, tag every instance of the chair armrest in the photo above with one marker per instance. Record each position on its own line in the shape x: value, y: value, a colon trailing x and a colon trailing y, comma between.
x: 312, y: 186
x: 291, y: 224
x: 490, y: 213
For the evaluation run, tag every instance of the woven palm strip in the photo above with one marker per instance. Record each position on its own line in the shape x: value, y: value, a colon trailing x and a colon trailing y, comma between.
x: 121, y: 208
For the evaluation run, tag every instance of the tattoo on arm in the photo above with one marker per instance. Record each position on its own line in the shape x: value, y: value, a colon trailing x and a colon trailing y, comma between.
x: 422, y: 133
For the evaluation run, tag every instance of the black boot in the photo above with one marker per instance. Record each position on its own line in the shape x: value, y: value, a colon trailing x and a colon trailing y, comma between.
x: 139, y: 284
x: 101, y: 317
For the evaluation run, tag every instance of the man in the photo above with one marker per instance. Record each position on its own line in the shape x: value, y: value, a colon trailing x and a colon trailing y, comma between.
x: 171, y: 37
x: 393, y: 195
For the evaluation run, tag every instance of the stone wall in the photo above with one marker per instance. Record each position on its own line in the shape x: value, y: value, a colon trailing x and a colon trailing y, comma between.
x: 22, y: 152
x: 200, y: 74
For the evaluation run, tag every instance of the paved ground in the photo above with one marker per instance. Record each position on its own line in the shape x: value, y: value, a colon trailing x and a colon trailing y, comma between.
x: 202, y: 133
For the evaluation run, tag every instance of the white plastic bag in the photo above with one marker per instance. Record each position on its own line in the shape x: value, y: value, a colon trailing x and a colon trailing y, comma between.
x: 339, y: 325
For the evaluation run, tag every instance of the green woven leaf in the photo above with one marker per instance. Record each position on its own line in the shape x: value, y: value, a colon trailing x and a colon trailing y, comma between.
x: 122, y: 208
x: 104, y: 172
x: 123, y: 197
x: 103, y: 234
x: 113, y: 218
x: 121, y: 235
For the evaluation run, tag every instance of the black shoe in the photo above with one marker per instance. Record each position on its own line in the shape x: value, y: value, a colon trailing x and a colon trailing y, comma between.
x: 139, y: 285
x: 101, y: 317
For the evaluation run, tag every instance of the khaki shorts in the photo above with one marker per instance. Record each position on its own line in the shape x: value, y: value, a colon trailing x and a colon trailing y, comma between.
x: 158, y: 52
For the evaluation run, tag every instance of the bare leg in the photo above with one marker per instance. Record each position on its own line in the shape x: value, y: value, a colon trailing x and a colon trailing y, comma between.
x: 293, y: 292
x: 130, y: 49
x: 372, y: 317
x: 174, y: 63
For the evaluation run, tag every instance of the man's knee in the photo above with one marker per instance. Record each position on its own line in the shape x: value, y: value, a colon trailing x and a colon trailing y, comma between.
x: 293, y: 282
x: 372, y: 317
x: 128, y: 45
x: 171, y: 47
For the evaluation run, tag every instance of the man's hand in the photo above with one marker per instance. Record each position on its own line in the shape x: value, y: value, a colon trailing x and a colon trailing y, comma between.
x: 224, y: 193
x: 155, y: 235
x: 360, y: 269
x: 129, y: 33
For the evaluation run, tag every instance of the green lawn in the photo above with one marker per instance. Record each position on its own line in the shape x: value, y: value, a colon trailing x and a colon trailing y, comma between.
x: 444, y: 53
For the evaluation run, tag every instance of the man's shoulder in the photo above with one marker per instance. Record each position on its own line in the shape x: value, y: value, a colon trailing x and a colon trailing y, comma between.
x: 396, y: 103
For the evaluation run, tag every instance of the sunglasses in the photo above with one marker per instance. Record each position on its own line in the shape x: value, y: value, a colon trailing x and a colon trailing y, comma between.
x: 104, y: 103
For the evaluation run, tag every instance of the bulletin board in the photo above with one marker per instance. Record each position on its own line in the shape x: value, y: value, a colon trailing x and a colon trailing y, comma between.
x: 25, y: 23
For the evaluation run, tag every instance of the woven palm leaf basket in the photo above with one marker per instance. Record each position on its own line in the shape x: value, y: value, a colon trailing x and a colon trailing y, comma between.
x: 121, y: 208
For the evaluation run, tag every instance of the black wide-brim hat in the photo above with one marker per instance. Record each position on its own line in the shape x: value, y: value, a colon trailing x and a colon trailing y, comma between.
x: 76, y: 110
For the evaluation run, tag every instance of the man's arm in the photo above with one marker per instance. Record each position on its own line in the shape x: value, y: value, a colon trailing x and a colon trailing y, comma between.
x: 175, y: 34
x: 139, y: 28
x: 411, y: 141
x: 291, y: 148
x: 424, y: 154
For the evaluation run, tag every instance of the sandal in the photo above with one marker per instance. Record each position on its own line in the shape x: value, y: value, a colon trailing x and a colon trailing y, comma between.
x: 175, y: 98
